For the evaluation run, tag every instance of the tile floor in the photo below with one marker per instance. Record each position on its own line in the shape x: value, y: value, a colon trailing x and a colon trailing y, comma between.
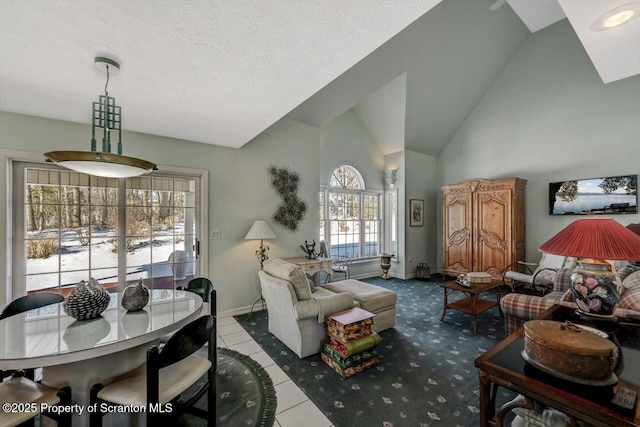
x: 294, y: 408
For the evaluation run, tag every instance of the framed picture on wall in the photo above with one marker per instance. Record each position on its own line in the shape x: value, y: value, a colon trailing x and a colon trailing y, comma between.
x: 416, y: 213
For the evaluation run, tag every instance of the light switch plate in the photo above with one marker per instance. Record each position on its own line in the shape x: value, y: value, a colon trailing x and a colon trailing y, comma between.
x: 215, y: 235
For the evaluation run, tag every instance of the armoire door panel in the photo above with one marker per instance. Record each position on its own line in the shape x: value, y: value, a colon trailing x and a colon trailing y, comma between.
x: 458, y: 233
x: 494, y: 231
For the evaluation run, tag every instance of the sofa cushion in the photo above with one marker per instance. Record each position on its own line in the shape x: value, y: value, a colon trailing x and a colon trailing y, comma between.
x: 371, y: 297
x: 291, y: 272
x: 630, y: 297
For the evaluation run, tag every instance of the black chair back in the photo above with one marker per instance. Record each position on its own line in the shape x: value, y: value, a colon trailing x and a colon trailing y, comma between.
x: 29, y: 302
x: 201, y: 286
x: 186, y: 341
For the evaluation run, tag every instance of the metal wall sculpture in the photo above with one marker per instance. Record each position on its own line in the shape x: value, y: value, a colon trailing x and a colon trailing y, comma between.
x: 291, y: 209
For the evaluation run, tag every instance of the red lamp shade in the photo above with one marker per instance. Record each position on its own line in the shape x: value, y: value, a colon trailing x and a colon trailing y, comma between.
x: 597, y: 238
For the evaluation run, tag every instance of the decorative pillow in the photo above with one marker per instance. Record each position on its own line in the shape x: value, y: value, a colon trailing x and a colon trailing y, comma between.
x: 291, y: 272
x: 626, y: 271
x: 630, y: 297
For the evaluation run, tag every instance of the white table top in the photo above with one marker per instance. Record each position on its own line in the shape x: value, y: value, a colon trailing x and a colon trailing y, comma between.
x: 48, y: 336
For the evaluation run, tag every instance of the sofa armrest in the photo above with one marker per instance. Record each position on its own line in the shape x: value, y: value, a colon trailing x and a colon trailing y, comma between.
x: 321, y: 306
x: 562, y: 282
x: 518, y: 308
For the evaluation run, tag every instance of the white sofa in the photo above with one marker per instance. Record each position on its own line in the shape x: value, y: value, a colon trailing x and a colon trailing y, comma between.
x: 296, y: 313
x: 297, y: 308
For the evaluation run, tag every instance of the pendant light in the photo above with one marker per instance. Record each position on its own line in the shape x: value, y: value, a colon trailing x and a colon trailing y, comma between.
x: 106, y: 116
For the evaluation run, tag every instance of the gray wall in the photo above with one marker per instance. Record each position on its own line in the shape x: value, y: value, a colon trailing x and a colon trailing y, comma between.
x: 548, y: 117
x: 421, y: 182
x: 239, y: 190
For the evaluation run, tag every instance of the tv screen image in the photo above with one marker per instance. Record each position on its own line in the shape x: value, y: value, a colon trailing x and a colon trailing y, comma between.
x: 594, y: 196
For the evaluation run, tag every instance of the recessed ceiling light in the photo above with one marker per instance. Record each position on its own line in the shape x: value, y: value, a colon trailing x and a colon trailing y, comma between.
x: 616, y: 17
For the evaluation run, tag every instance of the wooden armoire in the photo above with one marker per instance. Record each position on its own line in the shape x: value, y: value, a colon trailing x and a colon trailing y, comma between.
x: 483, y: 225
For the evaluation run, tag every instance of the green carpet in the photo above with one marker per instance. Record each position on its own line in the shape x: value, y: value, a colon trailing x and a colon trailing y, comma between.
x: 426, y: 376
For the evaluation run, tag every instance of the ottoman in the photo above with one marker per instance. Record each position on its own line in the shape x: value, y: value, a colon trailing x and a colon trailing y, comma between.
x: 374, y: 299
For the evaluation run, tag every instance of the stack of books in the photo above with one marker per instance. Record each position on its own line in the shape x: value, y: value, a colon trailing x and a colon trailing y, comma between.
x: 351, y: 345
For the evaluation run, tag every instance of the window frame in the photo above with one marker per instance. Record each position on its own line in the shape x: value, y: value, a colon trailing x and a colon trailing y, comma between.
x: 325, y: 229
x: 15, y: 283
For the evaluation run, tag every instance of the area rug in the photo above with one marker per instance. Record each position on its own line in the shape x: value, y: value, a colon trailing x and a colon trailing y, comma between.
x: 246, y: 396
x: 426, y: 376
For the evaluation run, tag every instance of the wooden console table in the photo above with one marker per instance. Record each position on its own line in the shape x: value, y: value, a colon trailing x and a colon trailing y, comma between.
x: 471, y: 304
x: 504, y: 366
x: 313, y: 266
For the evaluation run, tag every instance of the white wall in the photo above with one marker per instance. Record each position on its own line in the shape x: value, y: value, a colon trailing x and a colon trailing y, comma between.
x: 548, y: 117
x: 239, y: 190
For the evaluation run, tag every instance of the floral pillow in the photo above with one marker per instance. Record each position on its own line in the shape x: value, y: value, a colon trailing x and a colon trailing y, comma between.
x: 630, y: 297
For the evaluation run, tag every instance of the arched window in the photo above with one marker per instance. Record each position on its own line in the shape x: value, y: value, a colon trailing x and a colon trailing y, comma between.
x: 351, y: 217
x: 346, y: 177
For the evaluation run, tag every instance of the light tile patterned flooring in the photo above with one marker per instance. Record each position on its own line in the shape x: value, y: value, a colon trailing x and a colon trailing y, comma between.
x: 294, y: 408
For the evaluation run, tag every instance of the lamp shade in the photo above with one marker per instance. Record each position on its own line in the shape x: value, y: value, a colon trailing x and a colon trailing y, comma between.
x: 635, y: 228
x: 597, y: 238
x: 260, y: 230
x: 101, y: 164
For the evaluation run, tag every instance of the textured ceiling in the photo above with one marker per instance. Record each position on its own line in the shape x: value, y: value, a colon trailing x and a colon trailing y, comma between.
x: 217, y: 72
x: 221, y: 72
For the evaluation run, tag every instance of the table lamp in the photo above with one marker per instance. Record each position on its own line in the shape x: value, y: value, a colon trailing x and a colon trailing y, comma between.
x: 594, y: 284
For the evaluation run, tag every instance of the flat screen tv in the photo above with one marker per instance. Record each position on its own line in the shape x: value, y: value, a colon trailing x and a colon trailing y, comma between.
x: 595, y: 196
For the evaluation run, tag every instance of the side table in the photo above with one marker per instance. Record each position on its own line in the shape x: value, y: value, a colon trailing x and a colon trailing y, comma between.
x: 312, y: 266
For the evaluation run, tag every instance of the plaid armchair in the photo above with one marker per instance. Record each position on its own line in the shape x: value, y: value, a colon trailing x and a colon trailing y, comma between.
x: 518, y: 308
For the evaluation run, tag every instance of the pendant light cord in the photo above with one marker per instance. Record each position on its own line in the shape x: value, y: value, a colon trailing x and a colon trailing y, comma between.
x: 107, y: 83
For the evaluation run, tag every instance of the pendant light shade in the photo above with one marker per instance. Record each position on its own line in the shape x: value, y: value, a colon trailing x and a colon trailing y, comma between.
x: 106, y: 116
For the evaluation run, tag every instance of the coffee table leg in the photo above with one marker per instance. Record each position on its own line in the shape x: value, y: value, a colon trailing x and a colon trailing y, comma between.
x: 444, y: 310
x: 474, y: 312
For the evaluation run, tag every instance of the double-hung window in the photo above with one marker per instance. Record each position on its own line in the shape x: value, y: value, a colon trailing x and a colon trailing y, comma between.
x: 350, y: 215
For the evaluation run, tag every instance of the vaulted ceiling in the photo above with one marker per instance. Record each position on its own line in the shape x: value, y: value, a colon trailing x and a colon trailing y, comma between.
x: 221, y: 72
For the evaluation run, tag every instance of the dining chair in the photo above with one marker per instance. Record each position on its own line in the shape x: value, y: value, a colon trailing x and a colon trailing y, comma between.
x: 203, y: 287
x: 168, y: 373
x: 27, y: 394
x: 29, y: 302
x: 26, y: 303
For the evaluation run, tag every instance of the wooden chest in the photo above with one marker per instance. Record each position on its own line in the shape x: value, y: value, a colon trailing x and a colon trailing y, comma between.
x: 570, y: 352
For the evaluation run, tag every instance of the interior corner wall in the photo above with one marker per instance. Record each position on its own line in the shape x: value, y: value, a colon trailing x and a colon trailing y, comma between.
x: 548, y: 117
x: 421, y: 182
x: 345, y: 141
x: 239, y: 188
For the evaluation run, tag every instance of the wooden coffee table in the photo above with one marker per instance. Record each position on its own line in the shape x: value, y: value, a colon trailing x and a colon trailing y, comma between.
x: 471, y: 304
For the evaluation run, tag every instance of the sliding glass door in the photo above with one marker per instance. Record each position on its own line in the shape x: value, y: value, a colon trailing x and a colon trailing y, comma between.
x: 70, y: 226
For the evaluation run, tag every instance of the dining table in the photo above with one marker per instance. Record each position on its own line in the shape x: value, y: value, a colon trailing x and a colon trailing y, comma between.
x: 80, y: 353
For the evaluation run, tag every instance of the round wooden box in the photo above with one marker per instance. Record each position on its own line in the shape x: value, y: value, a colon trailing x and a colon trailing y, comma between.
x: 570, y: 352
